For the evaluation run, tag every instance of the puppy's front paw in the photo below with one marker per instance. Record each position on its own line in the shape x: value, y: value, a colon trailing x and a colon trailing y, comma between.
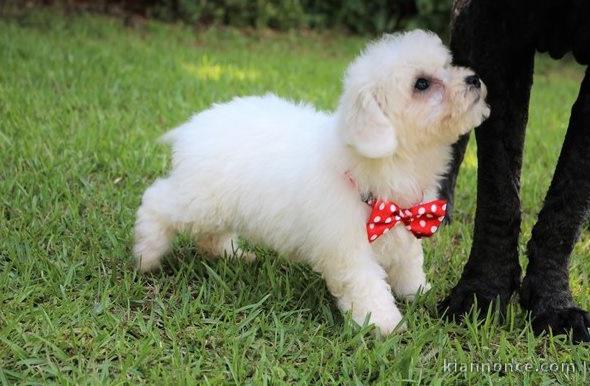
x: 410, y: 292
x: 382, y: 313
x: 385, y: 321
x: 388, y: 322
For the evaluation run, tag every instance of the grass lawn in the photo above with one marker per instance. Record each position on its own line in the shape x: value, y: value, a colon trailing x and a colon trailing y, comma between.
x: 83, y: 100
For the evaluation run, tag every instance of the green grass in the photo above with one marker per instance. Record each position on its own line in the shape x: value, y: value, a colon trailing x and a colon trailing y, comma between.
x: 83, y: 100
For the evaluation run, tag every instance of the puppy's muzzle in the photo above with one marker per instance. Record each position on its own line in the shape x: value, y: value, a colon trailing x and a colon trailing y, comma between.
x: 473, y: 81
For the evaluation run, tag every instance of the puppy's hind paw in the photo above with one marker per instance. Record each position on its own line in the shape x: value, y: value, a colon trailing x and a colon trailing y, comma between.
x: 147, y: 258
x: 246, y: 255
x: 146, y: 265
x: 571, y: 320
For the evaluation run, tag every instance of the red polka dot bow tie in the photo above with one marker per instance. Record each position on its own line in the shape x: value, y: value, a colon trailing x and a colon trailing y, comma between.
x: 422, y: 220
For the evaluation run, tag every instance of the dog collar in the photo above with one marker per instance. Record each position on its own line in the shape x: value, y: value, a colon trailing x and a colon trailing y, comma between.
x: 422, y: 219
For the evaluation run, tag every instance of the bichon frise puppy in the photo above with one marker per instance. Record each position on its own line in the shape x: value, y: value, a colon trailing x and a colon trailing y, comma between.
x: 299, y: 180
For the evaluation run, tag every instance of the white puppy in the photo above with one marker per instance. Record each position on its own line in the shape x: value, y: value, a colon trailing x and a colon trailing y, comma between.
x: 291, y: 177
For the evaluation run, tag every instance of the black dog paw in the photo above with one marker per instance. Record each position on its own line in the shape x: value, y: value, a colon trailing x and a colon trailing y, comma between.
x: 465, y: 296
x: 550, y: 302
x: 571, y: 320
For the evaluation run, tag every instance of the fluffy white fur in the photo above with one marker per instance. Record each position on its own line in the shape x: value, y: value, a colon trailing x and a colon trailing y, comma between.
x: 276, y: 173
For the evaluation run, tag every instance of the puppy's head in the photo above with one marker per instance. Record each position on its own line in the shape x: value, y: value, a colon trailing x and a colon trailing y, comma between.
x: 402, y: 93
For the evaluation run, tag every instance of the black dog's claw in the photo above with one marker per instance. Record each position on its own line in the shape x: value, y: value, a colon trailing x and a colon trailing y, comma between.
x: 463, y: 299
x: 572, y: 320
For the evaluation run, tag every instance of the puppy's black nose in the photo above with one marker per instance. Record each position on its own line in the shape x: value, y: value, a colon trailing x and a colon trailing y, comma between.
x: 473, y: 80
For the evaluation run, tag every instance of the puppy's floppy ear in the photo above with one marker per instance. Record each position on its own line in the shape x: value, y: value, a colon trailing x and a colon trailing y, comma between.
x: 365, y: 126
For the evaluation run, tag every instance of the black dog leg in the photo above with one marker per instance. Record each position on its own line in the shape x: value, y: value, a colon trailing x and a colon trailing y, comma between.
x: 493, y: 271
x: 545, y: 291
x: 447, y: 188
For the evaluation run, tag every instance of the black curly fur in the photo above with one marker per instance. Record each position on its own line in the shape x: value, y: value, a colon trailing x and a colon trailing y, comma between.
x: 498, y: 39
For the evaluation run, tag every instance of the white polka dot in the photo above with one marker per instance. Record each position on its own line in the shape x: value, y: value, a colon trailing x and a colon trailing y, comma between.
x: 385, y: 230
x: 373, y: 237
x: 444, y: 207
x: 433, y: 229
x: 428, y: 215
x: 382, y: 206
x: 422, y: 223
x: 408, y: 213
x: 397, y: 218
x: 441, y: 218
x: 392, y: 208
x: 371, y: 226
x: 421, y: 211
x: 377, y: 219
x: 409, y: 228
x: 387, y: 220
x: 433, y: 208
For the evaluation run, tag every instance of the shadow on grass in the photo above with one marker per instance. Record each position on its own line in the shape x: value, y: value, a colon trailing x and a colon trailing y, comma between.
x: 270, y: 283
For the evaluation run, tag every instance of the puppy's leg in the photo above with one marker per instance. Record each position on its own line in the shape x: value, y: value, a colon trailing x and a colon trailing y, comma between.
x: 224, y: 244
x: 406, y: 273
x: 545, y: 290
x: 153, y: 228
x: 358, y: 283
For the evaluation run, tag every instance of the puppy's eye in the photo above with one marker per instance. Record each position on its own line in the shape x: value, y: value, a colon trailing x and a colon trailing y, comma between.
x: 422, y: 84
